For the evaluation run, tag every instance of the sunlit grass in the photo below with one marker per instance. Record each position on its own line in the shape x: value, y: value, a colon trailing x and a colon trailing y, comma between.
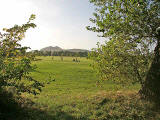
x: 74, y: 94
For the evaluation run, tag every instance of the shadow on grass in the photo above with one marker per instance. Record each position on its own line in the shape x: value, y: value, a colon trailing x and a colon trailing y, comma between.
x: 104, y: 107
x: 12, y: 108
x: 33, y: 114
x: 36, y: 114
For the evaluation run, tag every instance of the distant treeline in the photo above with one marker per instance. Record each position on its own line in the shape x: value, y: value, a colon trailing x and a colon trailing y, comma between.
x: 59, y: 53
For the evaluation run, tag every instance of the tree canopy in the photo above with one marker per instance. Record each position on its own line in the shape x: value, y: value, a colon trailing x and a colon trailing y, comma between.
x: 130, y: 27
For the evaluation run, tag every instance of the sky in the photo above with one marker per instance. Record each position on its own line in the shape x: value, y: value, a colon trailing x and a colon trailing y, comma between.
x: 59, y: 22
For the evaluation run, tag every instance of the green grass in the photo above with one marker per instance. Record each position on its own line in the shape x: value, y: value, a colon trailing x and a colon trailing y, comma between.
x: 72, y: 77
x: 74, y: 95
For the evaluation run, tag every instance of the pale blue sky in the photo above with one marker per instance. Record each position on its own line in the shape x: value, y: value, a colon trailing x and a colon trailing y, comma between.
x: 59, y: 22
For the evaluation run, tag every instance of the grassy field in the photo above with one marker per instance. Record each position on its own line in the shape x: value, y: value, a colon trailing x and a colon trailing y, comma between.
x: 74, y: 94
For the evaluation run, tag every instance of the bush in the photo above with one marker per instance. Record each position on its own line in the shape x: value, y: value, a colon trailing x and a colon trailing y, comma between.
x: 15, y: 64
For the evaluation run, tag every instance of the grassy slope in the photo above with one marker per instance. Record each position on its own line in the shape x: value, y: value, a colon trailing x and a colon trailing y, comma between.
x: 75, y: 95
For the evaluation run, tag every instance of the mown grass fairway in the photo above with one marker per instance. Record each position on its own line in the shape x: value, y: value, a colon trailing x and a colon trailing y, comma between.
x: 74, y: 94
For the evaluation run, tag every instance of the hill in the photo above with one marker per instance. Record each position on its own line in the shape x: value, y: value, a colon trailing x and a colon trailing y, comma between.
x: 58, y: 49
x: 52, y: 49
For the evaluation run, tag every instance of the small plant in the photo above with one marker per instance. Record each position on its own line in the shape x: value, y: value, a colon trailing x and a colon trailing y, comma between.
x: 50, y: 78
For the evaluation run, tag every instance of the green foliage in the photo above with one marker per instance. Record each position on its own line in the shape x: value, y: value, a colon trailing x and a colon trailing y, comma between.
x: 130, y: 27
x: 114, y: 62
x: 15, y: 64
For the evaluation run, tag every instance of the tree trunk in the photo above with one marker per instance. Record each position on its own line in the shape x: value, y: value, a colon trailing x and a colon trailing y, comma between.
x: 151, y: 88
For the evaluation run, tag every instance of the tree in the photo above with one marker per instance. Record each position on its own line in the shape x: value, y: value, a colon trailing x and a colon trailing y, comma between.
x: 15, y: 64
x: 115, y: 61
x: 130, y: 26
